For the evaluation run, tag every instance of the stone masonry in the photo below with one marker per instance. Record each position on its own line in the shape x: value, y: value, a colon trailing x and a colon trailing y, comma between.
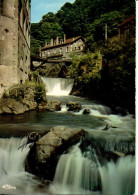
x: 14, y: 42
x: 63, y: 47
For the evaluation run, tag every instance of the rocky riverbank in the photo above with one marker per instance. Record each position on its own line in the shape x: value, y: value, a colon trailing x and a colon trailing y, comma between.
x: 26, y: 97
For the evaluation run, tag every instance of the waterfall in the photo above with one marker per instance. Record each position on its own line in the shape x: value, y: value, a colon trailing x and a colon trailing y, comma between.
x: 13, y: 178
x: 76, y: 174
x: 119, y: 178
x: 58, y: 86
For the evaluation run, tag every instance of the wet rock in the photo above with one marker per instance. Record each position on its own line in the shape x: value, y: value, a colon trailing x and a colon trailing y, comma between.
x: 121, y: 111
x: 50, y: 106
x: 11, y: 106
x: 107, y: 126
x: 43, y: 156
x: 74, y: 106
x: 86, y: 111
x: 20, y: 99
x: 33, y: 137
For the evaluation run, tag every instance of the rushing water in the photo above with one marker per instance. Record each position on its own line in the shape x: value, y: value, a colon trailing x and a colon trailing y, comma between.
x: 58, y: 86
x: 77, y: 172
x: 13, y: 178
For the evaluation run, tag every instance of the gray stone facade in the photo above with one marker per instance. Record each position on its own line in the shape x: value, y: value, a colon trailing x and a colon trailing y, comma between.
x: 63, y: 47
x: 14, y: 42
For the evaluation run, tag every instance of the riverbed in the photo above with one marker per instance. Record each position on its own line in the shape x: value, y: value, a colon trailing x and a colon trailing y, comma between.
x: 80, y: 178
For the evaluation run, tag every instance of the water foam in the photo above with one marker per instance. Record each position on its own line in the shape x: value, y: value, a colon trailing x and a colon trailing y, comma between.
x: 13, y: 178
x: 76, y: 174
x: 58, y: 86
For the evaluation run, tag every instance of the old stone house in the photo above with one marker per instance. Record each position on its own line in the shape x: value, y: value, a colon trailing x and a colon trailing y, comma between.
x: 63, y: 47
x: 14, y: 42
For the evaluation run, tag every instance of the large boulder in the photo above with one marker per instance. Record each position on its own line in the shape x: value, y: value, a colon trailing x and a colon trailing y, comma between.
x: 51, y: 106
x: 19, y: 100
x: 43, y: 156
x: 74, y: 106
x: 11, y: 106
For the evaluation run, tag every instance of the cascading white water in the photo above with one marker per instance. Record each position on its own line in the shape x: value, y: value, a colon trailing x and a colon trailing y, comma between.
x: 13, y: 178
x: 76, y: 174
x: 119, y: 178
x: 58, y: 86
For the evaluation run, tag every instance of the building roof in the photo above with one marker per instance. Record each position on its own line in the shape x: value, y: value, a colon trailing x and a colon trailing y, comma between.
x: 127, y: 20
x: 68, y: 41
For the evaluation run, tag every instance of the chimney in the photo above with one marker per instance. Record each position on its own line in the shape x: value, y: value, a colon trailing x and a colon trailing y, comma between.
x: 51, y: 42
x: 45, y: 43
x: 57, y: 40
x: 64, y: 38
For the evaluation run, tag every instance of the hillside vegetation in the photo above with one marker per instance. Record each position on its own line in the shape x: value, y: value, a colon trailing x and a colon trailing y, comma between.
x: 83, y: 17
x: 114, y: 85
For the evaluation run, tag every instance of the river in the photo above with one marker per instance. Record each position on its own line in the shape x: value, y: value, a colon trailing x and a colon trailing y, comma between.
x: 77, y: 172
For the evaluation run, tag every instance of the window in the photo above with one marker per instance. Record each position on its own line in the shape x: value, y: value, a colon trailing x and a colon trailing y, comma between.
x: 1, y: 6
x: 60, y: 50
x: 67, y: 49
x: 49, y: 52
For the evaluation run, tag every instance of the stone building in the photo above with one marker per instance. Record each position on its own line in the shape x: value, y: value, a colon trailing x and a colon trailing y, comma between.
x: 63, y: 47
x: 14, y: 42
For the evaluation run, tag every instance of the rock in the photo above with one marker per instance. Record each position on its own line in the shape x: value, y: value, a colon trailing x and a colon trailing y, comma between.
x: 43, y: 156
x: 33, y: 137
x: 107, y: 126
x: 76, y: 93
x: 121, y: 111
x: 86, y: 111
x: 51, y: 106
x: 11, y: 106
x: 20, y: 99
x: 74, y: 106
x: 32, y: 105
x: 119, y: 154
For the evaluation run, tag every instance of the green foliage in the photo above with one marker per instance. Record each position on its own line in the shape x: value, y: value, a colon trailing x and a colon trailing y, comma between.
x: 39, y: 87
x: 85, y: 69
x: 83, y: 17
x: 51, y: 30
x: 90, y: 14
x: 49, y: 17
x: 119, y: 79
x: 43, y: 31
x: 40, y: 93
x: 97, y: 28
x: 88, y: 18
x: 35, y: 45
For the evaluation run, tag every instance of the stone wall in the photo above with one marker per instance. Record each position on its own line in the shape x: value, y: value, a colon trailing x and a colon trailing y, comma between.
x: 65, y: 49
x: 14, y: 43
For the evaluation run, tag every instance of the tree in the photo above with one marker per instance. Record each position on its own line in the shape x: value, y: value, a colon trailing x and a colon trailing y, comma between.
x: 49, y: 17
x: 86, y: 72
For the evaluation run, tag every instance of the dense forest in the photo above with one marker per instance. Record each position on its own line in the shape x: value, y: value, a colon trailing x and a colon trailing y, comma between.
x: 114, y: 85
x: 83, y: 17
